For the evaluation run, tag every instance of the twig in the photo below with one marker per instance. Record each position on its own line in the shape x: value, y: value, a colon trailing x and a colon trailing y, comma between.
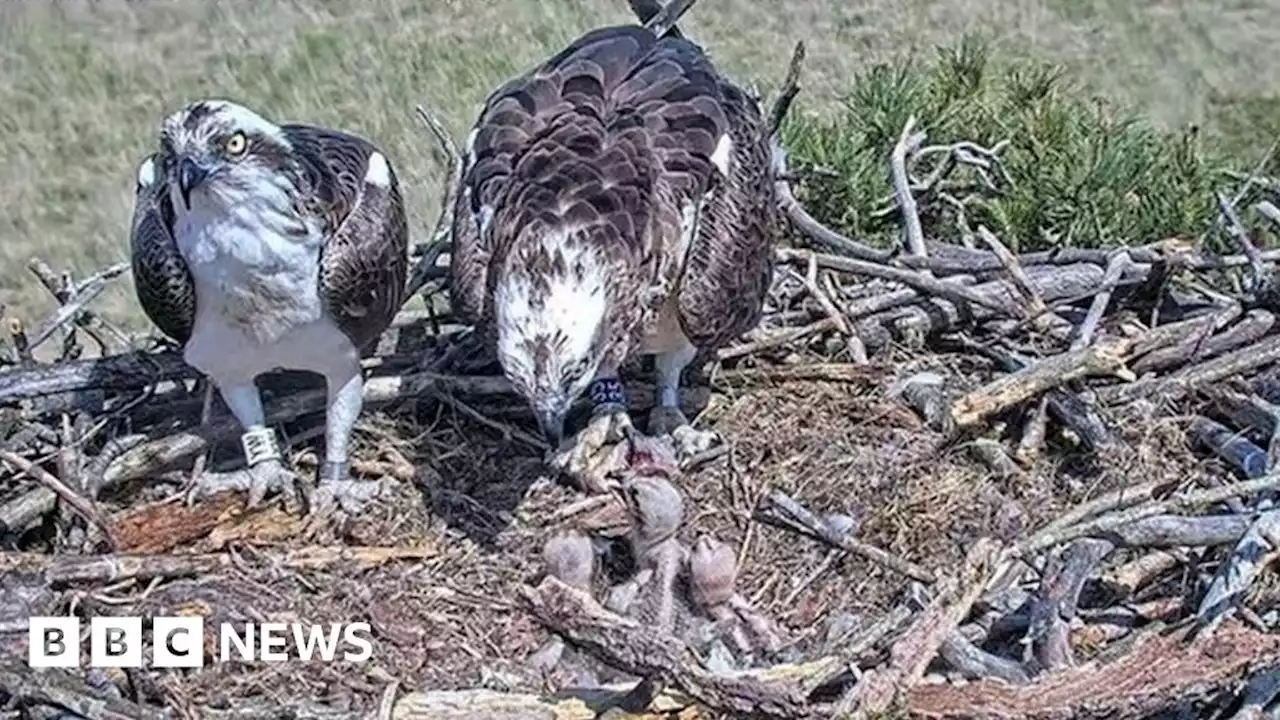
x: 1019, y: 276
x: 1201, y: 374
x: 778, y: 339
x: 1261, y: 276
x: 426, y: 268
x: 1115, y: 270
x: 1054, y: 605
x: 1236, y: 573
x: 1098, y: 527
x: 1013, y: 390
x: 60, y: 689
x: 58, y: 570
x: 1158, y: 672
x: 910, y: 655
x: 778, y: 507
x: 1261, y: 691
x: 82, y: 506
x: 975, y: 663
x: 787, y: 95
x: 919, y: 281
x: 807, y: 224
x: 668, y: 16
x: 634, y: 648
x: 907, y: 144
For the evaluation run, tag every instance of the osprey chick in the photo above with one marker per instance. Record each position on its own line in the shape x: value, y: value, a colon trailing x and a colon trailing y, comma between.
x: 260, y: 246
x: 616, y: 200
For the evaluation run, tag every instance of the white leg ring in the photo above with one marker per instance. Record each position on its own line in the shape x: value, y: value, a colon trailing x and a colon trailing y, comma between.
x: 259, y: 445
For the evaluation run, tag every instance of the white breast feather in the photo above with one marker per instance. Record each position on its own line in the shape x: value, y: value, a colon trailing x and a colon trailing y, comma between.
x: 255, y: 263
x: 574, y: 309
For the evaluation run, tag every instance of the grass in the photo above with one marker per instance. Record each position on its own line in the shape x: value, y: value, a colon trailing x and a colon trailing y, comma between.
x: 84, y: 85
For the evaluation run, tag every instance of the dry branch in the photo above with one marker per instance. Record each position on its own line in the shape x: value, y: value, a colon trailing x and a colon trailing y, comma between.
x: 911, y: 654
x: 68, y: 569
x: 60, y: 689
x: 780, y: 509
x: 634, y: 648
x: 1236, y: 574
x: 1103, y: 358
x: 1158, y: 672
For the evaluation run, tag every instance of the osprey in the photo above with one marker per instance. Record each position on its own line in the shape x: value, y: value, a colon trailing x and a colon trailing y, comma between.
x: 616, y: 200
x: 259, y: 246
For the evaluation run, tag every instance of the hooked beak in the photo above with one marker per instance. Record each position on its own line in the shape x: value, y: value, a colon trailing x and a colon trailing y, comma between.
x: 190, y: 175
x: 552, y: 422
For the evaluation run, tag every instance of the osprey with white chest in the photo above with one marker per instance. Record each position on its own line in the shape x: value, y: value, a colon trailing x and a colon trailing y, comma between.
x: 616, y: 200
x: 259, y: 246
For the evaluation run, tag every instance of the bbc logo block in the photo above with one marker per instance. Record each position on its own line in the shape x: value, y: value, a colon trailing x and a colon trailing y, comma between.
x: 54, y: 642
x: 179, y: 642
x: 115, y: 642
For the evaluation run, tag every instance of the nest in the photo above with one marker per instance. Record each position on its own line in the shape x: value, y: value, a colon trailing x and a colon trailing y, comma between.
x: 953, y: 482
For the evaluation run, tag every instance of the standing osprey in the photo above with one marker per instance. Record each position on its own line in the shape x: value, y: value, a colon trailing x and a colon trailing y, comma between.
x: 615, y: 200
x: 260, y: 246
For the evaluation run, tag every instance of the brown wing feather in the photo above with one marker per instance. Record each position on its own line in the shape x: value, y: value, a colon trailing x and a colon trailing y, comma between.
x: 542, y: 155
x: 364, y: 263
x: 731, y: 254
x: 161, y: 280
x: 591, y: 141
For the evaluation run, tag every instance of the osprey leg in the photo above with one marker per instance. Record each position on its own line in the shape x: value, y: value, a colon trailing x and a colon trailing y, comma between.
x: 666, y: 417
x: 346, y: 390
x: 266, y: 470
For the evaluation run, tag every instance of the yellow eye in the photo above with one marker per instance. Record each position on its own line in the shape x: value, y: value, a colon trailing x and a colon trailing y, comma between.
x: 236, y: 144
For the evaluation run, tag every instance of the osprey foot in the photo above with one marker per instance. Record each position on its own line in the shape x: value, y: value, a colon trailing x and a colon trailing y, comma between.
x: 599, y: 451
x: 670, y: 422
x: 336, y: 488
x: 258, y: 481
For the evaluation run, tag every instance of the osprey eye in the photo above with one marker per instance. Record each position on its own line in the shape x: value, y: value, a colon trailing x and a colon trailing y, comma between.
x: 236, y: 144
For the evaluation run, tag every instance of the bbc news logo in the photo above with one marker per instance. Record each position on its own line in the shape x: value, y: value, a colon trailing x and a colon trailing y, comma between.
x: 179, y: 642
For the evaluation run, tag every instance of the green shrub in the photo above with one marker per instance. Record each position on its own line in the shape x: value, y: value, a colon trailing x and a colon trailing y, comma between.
x: 1082, y: 173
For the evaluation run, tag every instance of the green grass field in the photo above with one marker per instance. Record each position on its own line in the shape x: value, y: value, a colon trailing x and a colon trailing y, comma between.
x: 84, y: 84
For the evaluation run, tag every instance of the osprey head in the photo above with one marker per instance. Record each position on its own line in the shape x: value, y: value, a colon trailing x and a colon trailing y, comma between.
x: 220, y: 153
x: 550, y: 306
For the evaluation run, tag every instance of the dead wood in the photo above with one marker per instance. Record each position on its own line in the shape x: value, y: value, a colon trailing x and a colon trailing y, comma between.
x: 1054, y: 605
x: 1058, y: 328
x: 61, y: 689
x: 926, y: 284
x: 1176, y: 531
x: 975, y: 663
x: 1103, y: 358
x: 1253, y: 326
x: 1102, y: 525
x: 780, y: 509
x: 20, y: 513
x: 60, y: 570
x: 632, y: 647
x: 910, y: 655
x: 585, y: 704
x: 934, y: 315
x: 83, y: 506
x: 1124, y: 580
x: 1202, y: 374
x: 1259, y: 543
x: 1159, y: 671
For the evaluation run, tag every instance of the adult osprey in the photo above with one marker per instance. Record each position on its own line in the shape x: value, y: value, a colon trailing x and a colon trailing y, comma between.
x: 615, y: 200
x: 260, y: 246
